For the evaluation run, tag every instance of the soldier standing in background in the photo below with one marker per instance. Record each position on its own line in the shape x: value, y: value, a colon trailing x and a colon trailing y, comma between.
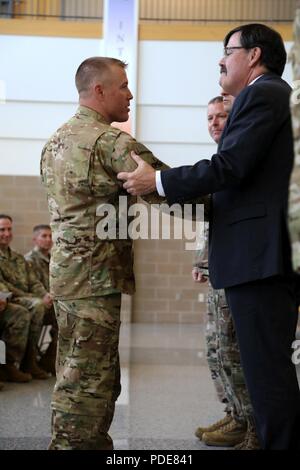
x: 79, y: 169
x: 39, y: 259
x: 237, y: 428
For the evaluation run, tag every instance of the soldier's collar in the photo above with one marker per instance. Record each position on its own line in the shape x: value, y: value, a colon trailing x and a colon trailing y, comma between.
x: 7, y: 252
x: 41, y: 254
x: 91, y: 113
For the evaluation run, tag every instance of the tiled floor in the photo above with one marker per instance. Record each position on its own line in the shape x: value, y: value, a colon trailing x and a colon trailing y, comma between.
x: 167, y: 393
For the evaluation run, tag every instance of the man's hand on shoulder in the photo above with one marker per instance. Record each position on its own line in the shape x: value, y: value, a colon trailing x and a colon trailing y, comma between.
x: 141, y: 181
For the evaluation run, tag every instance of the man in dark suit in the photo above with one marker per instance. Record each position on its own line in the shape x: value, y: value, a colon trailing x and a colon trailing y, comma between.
x: 249, y: 180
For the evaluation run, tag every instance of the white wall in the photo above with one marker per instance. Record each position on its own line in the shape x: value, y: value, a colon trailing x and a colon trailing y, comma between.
x: 40, y: 94
x: 175, y: 82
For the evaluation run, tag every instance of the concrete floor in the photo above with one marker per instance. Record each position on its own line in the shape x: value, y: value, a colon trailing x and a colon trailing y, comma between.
x: 166, y: 393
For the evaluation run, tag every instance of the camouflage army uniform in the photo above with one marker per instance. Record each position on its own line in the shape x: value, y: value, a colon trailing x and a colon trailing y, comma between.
x: 15, y: 323
x: 39, y: 262
x: 222, y: 349
x: 27, y: 290
x: 294, y: 207
x: 87, y: 275
x: 211, y: 334
x: 14, y: 331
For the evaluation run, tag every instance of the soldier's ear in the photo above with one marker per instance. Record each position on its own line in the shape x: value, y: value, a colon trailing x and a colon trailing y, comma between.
x: 99, y: 90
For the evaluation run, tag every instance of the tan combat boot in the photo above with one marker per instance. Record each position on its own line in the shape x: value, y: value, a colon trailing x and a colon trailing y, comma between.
x: 213, y: 427
x: 15, y: 375
x: 29, y: 364
x: 250, y: 442
x: 229, y: 435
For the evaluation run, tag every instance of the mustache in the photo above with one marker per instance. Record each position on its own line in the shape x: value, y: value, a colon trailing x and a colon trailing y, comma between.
x: 223, y: 69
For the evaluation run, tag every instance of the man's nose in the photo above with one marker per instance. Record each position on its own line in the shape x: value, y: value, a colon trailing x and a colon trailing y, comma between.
x: 222, y: 62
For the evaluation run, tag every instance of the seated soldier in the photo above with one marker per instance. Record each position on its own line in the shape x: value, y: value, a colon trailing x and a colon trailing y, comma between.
x: 39, y: 259
x: 27, y: 290
x: 15, y: 323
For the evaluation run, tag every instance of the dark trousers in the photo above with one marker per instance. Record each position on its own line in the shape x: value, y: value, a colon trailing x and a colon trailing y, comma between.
x: 265, y: 317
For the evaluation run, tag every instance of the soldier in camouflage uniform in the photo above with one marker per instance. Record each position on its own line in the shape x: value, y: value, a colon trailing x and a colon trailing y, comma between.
x: 294, y: 207
x: 223, y: 354
x: 39, y: 260
x: 79, y: 165
x: 216, y: 116
x: 15, y: 323
x: 27, y: 291
x: 39, y: 257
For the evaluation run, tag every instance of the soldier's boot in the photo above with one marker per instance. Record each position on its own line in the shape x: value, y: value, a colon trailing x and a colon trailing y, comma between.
x: 229, y: 435
x: 250, y: 442
x: 15, y: 375
x: 47, y: 361
x: 29, y: 364
x: 213, y: 427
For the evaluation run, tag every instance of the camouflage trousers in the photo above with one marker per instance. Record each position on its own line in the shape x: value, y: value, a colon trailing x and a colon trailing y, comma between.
x: 223, y: 356
x: 37, y: 311
x: 88, y: 373
x: 15, y: 323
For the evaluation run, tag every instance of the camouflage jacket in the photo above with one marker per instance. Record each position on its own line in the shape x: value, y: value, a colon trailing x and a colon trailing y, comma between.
x: 79, y: 167
x: 40, y: 264
x: 18, y: 276
x: 3, y: 286
x: 294, y: 206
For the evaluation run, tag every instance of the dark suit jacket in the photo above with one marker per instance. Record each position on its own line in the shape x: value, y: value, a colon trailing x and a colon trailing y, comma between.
x: 249, y: 179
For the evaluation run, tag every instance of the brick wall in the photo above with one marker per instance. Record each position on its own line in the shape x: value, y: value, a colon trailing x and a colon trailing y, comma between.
x: 23, y: 198
x: 165, y: 291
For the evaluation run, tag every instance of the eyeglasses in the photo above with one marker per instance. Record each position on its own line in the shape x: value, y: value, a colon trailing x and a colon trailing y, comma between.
x: 228, y: 50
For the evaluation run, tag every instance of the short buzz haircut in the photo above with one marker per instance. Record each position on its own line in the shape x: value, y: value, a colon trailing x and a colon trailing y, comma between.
x: 273, y: 53
x: 40, y: 227
x: 217, y: 99
x: 94, y: 67
x: 5, y: 216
